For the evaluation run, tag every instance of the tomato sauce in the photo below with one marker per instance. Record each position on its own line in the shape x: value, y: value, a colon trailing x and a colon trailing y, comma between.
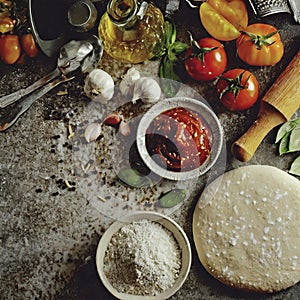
x: 179, y: 139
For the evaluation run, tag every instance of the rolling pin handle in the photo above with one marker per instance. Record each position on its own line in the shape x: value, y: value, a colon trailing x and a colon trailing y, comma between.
x: 244, y: 148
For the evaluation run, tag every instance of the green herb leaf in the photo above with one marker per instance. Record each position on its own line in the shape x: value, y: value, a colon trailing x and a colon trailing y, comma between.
x: 169, y: 79
x: 133, y: 178
x: 295, y: 167
x: 170, y: 33
x: 179, y: 47
x: 285, y: 128
x: 284, y: 144
x: 172, y: 198
x: 294, y: 144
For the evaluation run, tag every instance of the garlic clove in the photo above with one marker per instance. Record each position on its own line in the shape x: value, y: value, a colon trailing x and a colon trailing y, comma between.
x: 147, y: 90
x: 127, y: 83
x: 92, y: 132
x: 99, y: 86
x: 112, y: 119
x: 124, y: 128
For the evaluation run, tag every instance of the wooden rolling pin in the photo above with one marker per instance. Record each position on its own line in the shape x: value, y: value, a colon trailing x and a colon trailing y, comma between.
x: 277, y: 106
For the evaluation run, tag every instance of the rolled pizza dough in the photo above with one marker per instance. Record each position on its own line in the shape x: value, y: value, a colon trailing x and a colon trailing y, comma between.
x: 246, y: 228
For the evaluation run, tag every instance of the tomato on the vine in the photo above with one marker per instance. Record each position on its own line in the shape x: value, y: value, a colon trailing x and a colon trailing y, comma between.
x: 260, y: 45
x: 205, y: 60
x: 224, y: 19
x: 29, y: 45
x: 6, y: 24
x: 238, y: 89
x: 10, y: 48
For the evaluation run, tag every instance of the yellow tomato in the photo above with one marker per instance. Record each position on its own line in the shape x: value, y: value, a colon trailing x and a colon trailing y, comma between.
x: 260, y: 45
x: 224, y: 19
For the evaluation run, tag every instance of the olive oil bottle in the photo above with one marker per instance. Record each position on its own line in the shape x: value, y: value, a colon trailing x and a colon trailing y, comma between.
x: 130, y: 31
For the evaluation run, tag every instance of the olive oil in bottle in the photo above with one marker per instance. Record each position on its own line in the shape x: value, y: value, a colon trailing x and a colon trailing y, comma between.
x: 130, y: 31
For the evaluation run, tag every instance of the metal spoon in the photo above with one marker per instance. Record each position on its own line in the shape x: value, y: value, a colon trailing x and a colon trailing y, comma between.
x: 72, y: 56
x: 75, y: 56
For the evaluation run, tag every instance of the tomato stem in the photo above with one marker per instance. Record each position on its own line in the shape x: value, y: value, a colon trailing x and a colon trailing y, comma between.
x: 198, y: 51
x: 260, y: 40
x: 235, y: 85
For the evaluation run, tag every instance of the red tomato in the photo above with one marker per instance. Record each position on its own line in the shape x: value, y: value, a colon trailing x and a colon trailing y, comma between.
x: 260, y: 45
x: 238, y: 89
x: 10, y: 49
x: 205, y: 60
x: 29, y: 45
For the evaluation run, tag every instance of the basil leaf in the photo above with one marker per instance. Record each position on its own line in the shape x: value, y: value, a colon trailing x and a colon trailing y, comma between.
x: 179, y: 47
x: 172, y: 198
x: 294, y: 143
x: 132, y: 177
x: 284, y: 144
x: 170, y: 33
x: 284, y: 129
x: 168, y: 79
x: 295, y: 167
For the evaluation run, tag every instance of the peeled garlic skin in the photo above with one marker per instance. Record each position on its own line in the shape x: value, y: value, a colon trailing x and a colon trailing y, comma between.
x: 99, y: 86
x: 146, y: 89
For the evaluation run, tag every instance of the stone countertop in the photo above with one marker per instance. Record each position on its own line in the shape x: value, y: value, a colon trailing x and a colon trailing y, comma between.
x: 50, y: 227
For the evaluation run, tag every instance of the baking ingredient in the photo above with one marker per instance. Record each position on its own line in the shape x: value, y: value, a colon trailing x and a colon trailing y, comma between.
x: 142, y: 258
x: 178, y: 139
x: 92, y: 132
x: 10, y: 48
x: 127, y: 83
x: 224, y: 19
x: 238, y: 89
x: 246, y: 229
x: 29, y: 45
x: 133, y: 178
x: 205, y: 59
x: 99, y: 86
x: 170, y: 56
x: 147, y: 90
x: 131, y: 32
x: 288, y: 137
x: 172, y: 198
x: 260, y: 45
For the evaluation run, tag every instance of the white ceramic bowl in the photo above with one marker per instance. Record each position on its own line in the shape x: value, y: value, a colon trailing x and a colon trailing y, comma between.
x: 206, y: 113
x: 169, y: 224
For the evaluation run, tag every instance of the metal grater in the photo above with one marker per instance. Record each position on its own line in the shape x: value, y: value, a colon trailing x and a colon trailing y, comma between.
x: 263, y: 8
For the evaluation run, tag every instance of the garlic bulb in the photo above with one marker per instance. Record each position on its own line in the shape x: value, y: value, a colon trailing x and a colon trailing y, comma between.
x: 146, y: 89
x: 127, y: 83
x: 99, y: 86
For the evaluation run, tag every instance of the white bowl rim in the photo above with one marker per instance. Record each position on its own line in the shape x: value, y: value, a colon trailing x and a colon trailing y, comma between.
x: 177, y: 231
x: 167, y: 104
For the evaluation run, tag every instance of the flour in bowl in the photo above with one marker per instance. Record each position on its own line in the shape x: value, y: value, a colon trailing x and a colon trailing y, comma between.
x: 142, y: 258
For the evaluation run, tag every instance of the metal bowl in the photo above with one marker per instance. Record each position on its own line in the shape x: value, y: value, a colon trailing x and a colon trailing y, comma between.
x: 209, y: 117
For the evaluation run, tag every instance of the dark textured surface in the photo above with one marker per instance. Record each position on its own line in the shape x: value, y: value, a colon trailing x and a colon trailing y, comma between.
x: 49, y: 231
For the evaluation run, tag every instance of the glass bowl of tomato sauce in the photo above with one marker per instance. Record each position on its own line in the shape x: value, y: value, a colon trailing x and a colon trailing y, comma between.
x: 179, y: 138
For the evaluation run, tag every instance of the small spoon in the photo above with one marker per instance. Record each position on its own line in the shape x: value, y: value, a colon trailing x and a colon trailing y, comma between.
x: 75, y: 55
x: 72, y: 56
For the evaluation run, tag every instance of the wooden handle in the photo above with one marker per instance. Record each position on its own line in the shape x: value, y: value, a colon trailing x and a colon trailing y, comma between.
x: 277, y: 106
x: 284, y: 93
x: 244, y: 148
